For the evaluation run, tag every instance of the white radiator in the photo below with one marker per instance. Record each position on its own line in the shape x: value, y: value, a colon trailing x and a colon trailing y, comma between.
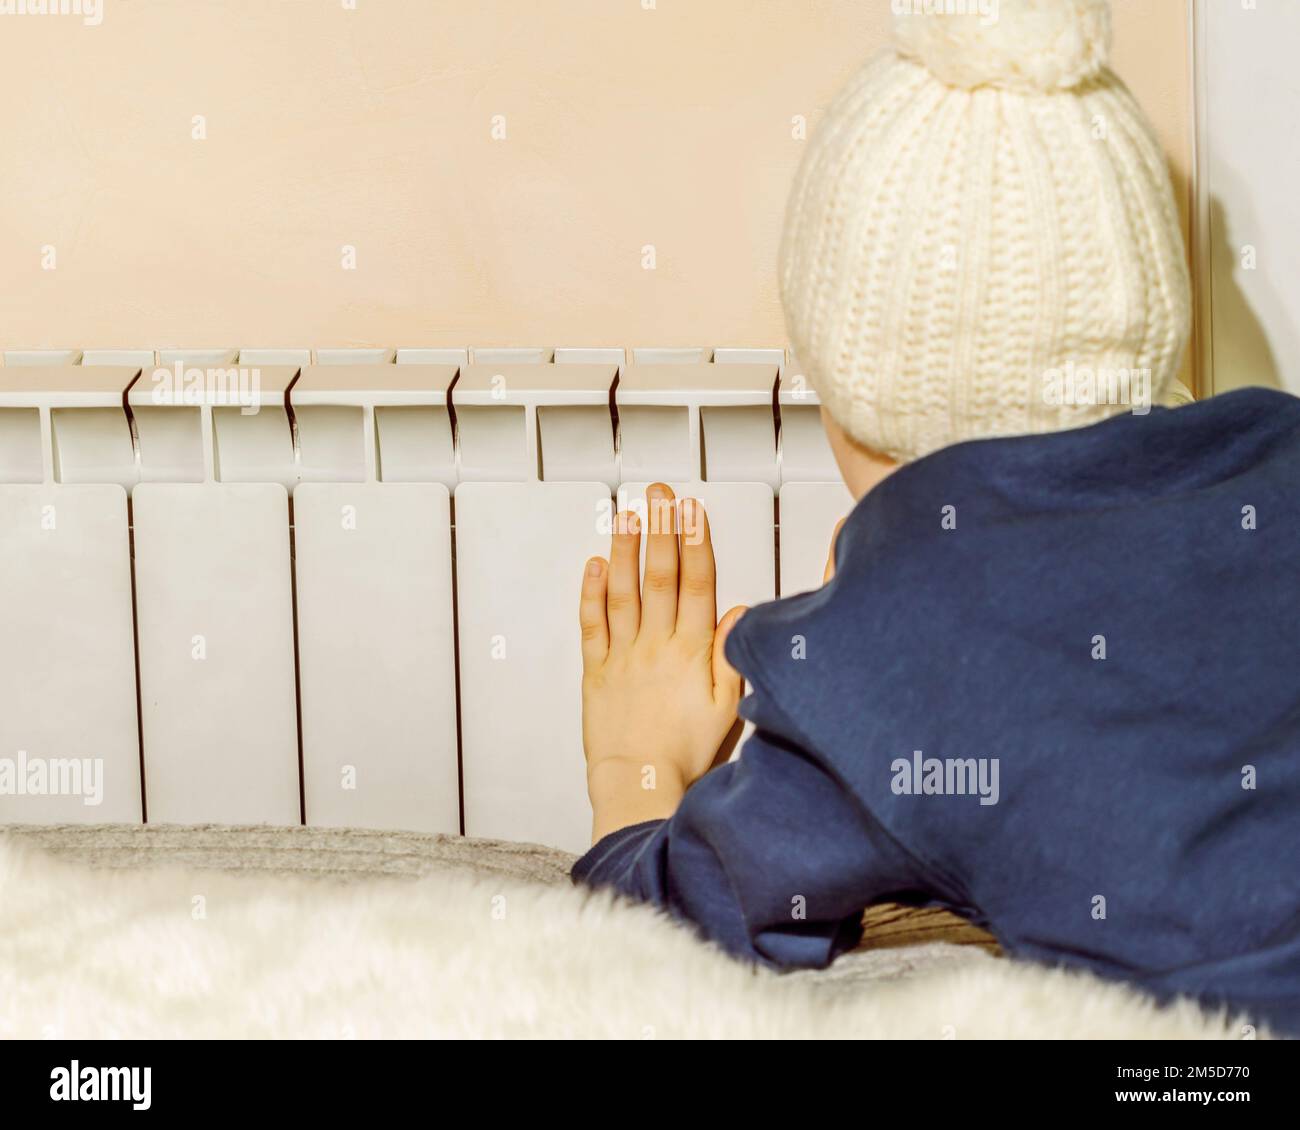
x: 345, y: 592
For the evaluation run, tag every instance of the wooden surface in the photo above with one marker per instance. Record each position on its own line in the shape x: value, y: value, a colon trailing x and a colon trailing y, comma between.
x: 888, y: 925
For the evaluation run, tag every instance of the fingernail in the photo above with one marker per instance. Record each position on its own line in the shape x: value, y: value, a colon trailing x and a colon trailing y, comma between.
x: 634, y: 523
x: 593, y: 567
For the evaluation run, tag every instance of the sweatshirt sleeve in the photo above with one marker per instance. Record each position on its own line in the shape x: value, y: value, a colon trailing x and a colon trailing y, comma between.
x: 769, y: 856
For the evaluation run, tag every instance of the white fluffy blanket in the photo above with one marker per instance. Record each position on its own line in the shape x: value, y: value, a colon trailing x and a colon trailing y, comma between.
x: 193, y: 953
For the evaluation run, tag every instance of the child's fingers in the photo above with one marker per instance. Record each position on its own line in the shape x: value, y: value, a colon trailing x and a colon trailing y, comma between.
x: 727, y: 681
x: 697, y: 610
x: 659, y: 590
x: 623, y: 594
x: 591, y: 613
x: 830, y: 560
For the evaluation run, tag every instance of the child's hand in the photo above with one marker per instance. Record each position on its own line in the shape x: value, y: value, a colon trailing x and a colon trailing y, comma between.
x: 658, y: 695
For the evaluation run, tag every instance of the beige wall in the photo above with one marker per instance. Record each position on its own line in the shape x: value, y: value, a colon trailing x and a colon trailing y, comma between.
x: 372, y: 127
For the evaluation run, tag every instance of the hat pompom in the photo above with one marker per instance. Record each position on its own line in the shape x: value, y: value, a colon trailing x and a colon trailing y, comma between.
x: 1030, y: 46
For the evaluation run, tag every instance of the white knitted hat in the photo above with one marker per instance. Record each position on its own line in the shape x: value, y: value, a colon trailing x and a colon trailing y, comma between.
x: 982, y: 239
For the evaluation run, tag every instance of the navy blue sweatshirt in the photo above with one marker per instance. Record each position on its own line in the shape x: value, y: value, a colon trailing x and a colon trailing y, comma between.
x: 1053, y: 686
